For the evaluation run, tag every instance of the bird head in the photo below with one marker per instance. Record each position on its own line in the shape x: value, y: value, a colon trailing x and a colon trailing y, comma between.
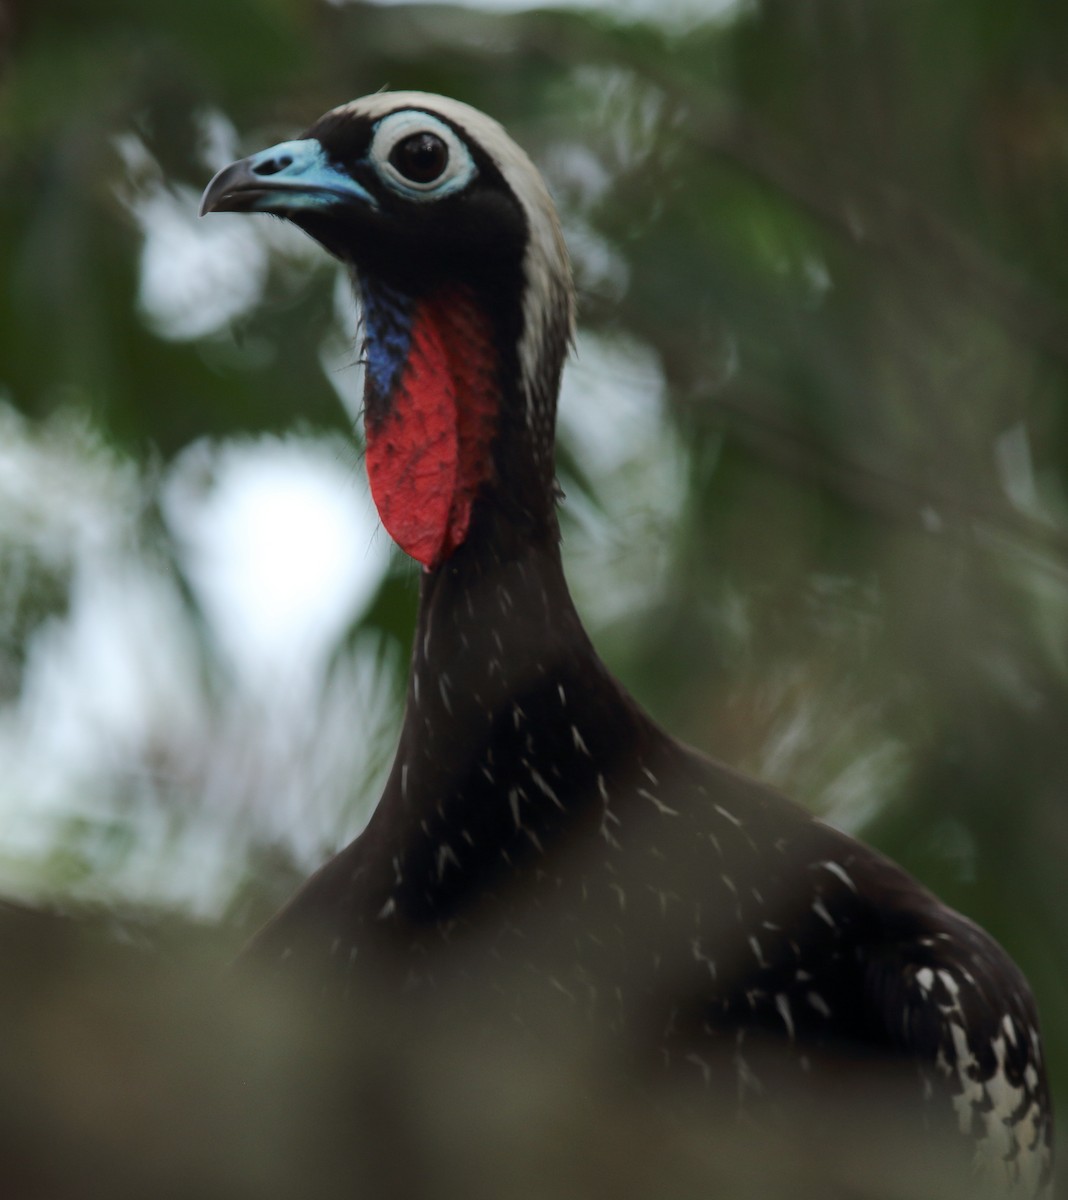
x: 467, y: 300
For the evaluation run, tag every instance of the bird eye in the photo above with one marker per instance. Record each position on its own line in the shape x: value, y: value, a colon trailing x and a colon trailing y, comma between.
x: 421, y: 158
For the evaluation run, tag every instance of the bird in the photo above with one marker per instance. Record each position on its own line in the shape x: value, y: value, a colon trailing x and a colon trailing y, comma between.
x: 534, y: 811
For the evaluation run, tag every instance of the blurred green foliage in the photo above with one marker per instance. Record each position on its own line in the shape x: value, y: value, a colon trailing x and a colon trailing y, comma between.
x: 840, y: 232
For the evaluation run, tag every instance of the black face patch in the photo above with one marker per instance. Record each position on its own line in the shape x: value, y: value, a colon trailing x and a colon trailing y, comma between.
x: 345, y: 136
x: 475, y: 235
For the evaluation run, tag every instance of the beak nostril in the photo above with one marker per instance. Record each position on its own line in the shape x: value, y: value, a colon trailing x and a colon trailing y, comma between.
x: 271, y: 166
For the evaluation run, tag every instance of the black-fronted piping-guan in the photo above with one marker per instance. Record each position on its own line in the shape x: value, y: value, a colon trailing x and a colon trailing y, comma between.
x: 532, y: 801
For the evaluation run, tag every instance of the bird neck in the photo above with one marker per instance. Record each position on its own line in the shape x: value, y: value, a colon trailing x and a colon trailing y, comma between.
x: 453, y: 453
x: 495, y: 630
x: 512, y: 726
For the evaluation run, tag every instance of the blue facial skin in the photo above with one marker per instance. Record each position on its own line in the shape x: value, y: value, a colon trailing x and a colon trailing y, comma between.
x: 295, y: 175
x: 303, y: 165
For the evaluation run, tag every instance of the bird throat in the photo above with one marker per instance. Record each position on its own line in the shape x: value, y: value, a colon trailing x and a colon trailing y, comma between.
x: 432, y: 401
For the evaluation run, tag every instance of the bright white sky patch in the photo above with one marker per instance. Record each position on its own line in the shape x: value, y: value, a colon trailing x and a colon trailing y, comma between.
x: 114, y: 754
x: 196, y: 278
x: 282, y: 544
x: 665, y: 12
x: 199, y: 274
x: 612, y: 416
x: 612, y: 404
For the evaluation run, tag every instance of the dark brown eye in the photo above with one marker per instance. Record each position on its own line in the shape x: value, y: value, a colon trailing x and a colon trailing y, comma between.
x: 421, y: 157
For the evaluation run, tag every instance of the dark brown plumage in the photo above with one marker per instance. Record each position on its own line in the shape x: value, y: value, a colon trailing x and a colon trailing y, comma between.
x: 539, y: 832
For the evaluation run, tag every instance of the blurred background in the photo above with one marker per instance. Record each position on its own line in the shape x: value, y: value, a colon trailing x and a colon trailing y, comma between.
x: 814, y: 440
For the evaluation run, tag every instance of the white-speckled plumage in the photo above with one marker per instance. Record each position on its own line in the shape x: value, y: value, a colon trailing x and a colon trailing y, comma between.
x: 538, y: 818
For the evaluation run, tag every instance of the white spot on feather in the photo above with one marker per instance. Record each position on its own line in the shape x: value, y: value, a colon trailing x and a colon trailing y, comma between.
x: 819, y: 1004
x: 580, y: 745
x: 782, y: 1003
x: 729, y: 816
x: 545, y: 789
x: 446, y: 856
x: 664, y: 809
x: 840, y: 871
x: 950, y: 984
x: 701, y: 957
x: 513, y: 801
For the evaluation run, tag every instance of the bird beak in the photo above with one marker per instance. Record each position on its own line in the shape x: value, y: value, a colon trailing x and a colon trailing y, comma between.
x: 290, y: 178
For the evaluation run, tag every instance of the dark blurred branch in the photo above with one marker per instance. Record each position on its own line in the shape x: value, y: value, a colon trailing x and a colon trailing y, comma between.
x: 982, y: 521
x: 881, y: 219
x: 874, y: 214
x: 7, y: 34
x: 899, y: 227
x: 895, y: 224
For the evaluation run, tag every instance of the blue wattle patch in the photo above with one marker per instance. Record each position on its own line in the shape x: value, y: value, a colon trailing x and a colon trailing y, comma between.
x: 388, y: 319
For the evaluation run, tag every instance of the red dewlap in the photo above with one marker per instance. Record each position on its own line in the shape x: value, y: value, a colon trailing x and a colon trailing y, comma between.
x: 430, y: 453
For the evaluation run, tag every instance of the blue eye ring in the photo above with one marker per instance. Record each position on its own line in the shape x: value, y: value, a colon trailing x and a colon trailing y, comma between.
x: 429, y: 137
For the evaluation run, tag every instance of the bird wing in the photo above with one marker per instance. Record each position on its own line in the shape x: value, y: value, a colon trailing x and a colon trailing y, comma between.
x: 950, y: 998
